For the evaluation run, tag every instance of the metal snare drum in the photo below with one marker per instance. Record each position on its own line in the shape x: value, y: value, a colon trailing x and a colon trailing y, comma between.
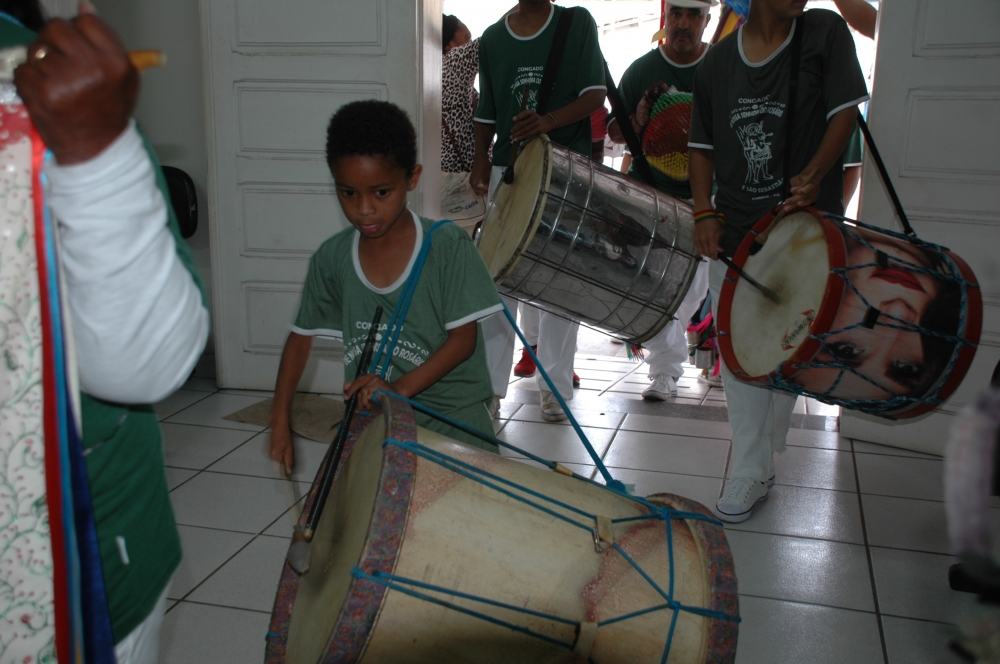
x: 587, y: 243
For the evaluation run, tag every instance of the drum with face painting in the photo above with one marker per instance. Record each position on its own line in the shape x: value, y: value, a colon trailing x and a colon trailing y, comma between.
x: 869, y: 319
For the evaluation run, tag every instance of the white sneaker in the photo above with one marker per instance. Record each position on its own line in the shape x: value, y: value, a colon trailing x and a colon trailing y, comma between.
x: 741, y: 495
x: 551, y: 410
x: 712, y: 381
x: 663, y: 388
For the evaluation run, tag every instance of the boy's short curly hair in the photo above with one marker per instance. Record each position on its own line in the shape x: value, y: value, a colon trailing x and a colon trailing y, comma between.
x: 372, y: 127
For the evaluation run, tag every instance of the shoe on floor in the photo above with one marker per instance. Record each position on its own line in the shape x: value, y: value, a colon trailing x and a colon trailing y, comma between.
x: 662, y: 388
x: 551, y: 410
x: 712, y: 381
x: 737, y: 503
x: 770, y: 477
x: 525, y: 367
x: 494, y: 408
x: 576, y: 380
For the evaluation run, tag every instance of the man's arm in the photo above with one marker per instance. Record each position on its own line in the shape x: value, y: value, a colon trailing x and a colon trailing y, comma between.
x: 138, y: 318
x: 859, y: 15
x: 479, y: 178
x: 457, y: 348
x: 701, y: 170
x: 838, y: 132
x: 640, y: 118
x: 530, y: 123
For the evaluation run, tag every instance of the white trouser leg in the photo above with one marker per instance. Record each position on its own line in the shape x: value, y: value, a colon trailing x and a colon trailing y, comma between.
x: 758, y: 416
x: 142, y: 645
x: 527, y: 318
x: 556, y: 350
x: 668, y: 349
x: 498, y: 335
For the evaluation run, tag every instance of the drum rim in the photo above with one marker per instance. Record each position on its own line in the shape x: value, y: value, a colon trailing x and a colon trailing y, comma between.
x: 833, y: 294
x: 536, y: 214
x: 358, y: 614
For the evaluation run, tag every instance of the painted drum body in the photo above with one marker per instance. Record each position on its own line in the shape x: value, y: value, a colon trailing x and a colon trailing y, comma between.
x: 588, y: 243
x: 869, y: 319
x: 403, y: 536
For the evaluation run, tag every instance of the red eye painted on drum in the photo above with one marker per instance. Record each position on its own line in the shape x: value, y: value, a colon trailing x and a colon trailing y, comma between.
x: 372, y: 191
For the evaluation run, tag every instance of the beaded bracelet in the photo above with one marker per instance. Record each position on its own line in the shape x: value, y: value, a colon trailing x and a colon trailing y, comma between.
x: 705, y: 214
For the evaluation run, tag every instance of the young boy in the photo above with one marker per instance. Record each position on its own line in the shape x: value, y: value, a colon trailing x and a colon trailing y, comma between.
x: 439, y: 360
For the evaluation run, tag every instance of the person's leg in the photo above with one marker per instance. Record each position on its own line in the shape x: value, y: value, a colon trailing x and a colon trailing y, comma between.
x: 556, y: 350
x: 527, y: 318
x: 759, y: 420
x: 142, y: 644
x: 498, y: 335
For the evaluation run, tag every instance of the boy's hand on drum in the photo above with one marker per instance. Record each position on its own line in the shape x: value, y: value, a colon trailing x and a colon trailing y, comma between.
x: 529, y: 123
x: 708, y: 238
x: 280, y: 447
x: 365, y: 387
x: 804, y: 190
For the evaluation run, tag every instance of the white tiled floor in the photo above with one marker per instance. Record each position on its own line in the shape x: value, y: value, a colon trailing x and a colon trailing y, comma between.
x: 845, y: 562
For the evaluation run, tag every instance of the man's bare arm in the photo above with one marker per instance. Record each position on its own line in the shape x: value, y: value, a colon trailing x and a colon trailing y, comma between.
x: 529, y: 123
x: 859, y: 15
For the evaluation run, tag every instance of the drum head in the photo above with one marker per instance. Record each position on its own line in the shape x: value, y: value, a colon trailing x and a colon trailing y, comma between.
x: 514, y: 212
x: 795, y: 262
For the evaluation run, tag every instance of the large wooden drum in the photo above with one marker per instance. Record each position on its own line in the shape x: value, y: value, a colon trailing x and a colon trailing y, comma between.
x: 869, y: 319
x: 588, y: 243
x: 430, y: 550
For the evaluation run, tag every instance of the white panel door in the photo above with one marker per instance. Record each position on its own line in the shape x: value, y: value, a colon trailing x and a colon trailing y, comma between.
x: 934, y: 114
x: 274, y: 73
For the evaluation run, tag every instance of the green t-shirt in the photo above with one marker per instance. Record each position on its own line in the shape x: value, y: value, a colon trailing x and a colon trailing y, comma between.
x: 644, y: 73
x: 507, y: 62
x: 454, y: 288
x: 128, y: 484
x: 739, y: 113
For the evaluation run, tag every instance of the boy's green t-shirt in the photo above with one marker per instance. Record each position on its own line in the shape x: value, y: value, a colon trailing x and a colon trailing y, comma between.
x: 454, y: 289
x: 508, y: 62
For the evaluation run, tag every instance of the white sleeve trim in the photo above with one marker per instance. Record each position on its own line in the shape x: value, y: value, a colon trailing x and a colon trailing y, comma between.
x: 479, y: 315
x: 484, y: 121
x: 319, y: 332
x: 860, y: 100
x: 138, y: 318
x: 852, y: 164
x: 593, y: 87
x: 701, y: 146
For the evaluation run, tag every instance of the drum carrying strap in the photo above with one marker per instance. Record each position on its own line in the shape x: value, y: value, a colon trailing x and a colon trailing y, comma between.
x: 554, y: 60
x: 642, y: 168
x: 793, y: 96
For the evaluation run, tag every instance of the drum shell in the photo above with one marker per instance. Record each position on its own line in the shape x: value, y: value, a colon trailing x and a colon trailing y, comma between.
x: 792, y: 370
x: 427, y: 520
x: 603, y: 249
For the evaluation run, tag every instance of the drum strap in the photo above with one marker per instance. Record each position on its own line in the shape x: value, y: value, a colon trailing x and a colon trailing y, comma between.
x: 793, y: 95
x: 555, y: 60
x: 642, y: 168
x: 884, y: 175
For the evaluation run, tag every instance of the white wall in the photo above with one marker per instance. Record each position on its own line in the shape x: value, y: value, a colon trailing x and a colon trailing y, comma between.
x: 171, y: 102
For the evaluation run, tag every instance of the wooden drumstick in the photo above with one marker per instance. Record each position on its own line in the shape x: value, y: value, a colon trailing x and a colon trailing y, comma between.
x: 299, y: 554
x: 508, y: 175
x: 764, y: 290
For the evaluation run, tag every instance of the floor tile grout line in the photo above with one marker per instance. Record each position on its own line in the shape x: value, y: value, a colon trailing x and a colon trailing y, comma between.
x: 868, y: 556
x: 177, y: 412
x: 818, y: 604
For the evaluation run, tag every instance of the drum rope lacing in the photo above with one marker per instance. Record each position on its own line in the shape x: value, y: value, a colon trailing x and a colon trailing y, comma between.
x: 535, y: 499
x: 879, y: 406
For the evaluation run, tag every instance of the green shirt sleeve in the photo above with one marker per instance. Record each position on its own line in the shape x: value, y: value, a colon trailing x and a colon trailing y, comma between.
x: 590, y: 67
x: 321, y: 312
x: 469, y: 292
x: 701, y: 113
x: 487, y: 110
x: 844, y: 83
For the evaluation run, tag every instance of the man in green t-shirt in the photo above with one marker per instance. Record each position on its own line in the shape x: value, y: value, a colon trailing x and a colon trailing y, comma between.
x: 669, y: 66
x: 139, y: 320
x: 439, y: 360
x: 512, y: 57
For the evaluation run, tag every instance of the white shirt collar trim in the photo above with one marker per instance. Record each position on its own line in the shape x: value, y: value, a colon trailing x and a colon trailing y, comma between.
x: 763, y: 62
x: 552, y: 11
x: 409, y: 266
x: 692, y: 64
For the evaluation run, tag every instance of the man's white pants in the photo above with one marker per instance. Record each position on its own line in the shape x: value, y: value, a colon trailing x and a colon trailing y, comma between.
x: 668, y: 350
x: 142, y: 645
x: 758, y: 416
x: 556, y: 338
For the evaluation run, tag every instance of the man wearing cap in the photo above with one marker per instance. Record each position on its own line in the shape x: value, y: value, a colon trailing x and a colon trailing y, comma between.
x: 671, y: 65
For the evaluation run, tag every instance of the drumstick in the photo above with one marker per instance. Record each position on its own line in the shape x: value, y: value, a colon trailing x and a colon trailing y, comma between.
x: 12, y: 58
x: 508, y: 175
x: 300, y: 552
x: 764, y: 290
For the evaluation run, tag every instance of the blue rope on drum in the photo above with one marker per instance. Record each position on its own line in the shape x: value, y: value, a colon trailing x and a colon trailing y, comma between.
x: 896, y: 401
x: 535, y: 499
